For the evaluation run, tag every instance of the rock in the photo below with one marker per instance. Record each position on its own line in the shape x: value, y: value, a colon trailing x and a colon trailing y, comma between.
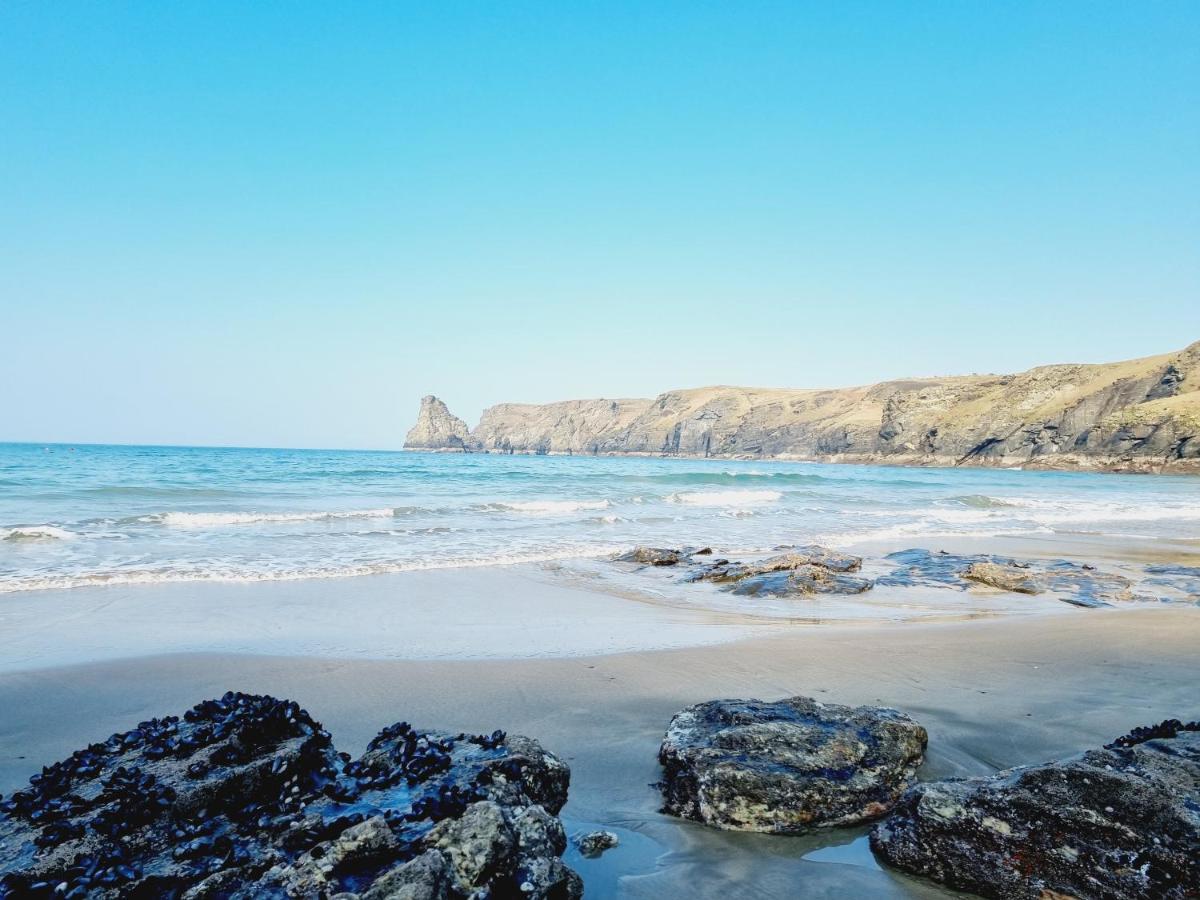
x: 593, y: 843
x: 479, y: 845
x: 1117, y: 822
x: 804, y: 581
x: 1138, y: 415
x: 437, y: 429
x: 246, y: 797
x: 803, y: 571
x: 652, y: 556
x: 1005, y: 577
x: 800, y: 558
x: 789, y: 766
x: 1079, y: 585
x: 427, y: 877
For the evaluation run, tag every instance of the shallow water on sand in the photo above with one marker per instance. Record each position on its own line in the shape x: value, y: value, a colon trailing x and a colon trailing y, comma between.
x: 88, y: 515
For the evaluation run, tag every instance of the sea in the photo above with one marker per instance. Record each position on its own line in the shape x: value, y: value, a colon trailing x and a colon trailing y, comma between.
x: 76, y: 516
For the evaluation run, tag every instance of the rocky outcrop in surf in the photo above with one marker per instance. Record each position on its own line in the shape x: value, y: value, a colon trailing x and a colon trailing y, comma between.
x: 246, y: 797
x: 1137, y: 415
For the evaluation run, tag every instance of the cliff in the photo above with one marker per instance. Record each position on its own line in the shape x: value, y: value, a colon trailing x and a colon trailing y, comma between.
x: 436, y: 428
x: 1138, y: 415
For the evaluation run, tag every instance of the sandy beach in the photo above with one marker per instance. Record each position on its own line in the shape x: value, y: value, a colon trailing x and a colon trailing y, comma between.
x: 993, y: 693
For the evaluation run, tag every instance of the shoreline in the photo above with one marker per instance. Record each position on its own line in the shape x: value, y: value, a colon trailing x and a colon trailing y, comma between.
x: 993, y: 694
x: 1068, y: 463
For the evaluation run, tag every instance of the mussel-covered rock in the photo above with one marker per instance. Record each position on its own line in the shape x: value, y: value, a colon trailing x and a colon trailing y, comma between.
x: 788, y: 766
x: 1118, y: 822
x: 245, y: 797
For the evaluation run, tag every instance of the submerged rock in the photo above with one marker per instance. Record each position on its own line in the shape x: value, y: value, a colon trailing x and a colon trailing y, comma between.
x: 788, y: 766
x: 800, y: 581
x: 593, y: 843
x: 246, y: 797
x: 1079, y: 585
x: 1117, y: 822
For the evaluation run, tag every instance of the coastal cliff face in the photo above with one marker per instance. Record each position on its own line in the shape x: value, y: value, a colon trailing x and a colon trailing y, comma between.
x: 1138, y: 415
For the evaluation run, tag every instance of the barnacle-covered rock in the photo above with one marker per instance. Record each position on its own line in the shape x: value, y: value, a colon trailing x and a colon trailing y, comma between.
x: 1118, y: 822
x: 246, y: 797
x: 788, y: 766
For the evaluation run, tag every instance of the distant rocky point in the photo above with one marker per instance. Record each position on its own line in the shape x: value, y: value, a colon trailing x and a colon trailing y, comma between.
x: 1141, y: 415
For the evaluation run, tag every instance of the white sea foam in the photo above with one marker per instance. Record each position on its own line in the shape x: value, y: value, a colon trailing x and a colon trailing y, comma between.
x: 36, y: 533
x: 724, y: 498
x: 170, y: 575
x: 221, y: 519
x: 1064, y: 511
x: 554, y: 507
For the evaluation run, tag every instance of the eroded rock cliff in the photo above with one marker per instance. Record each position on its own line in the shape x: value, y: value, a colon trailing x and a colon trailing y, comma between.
x: 1137, y: 415
x: 437, y: 428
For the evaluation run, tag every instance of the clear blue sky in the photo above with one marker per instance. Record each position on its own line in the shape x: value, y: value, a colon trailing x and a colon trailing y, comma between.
x: 282, y: 223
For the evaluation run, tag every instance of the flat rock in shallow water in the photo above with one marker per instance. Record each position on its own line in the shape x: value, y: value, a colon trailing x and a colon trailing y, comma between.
x: 789, y: 766
x: 1079, y: 585
x: 246, y: 797
x: 1117, y: 822
x: 1005, y: 577
x: 798, y: 558
x: 803, y: 581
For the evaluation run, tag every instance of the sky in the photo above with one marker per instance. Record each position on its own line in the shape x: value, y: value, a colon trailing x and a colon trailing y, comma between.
x: 281, y: 224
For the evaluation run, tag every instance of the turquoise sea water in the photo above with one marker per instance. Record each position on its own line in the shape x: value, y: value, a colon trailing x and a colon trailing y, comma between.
x: 73, y: 516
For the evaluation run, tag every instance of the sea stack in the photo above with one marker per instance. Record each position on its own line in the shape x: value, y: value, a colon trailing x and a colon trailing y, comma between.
x: 437, y: 428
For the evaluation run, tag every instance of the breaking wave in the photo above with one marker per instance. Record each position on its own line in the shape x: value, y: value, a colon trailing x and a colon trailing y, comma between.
x: 725, y: 498
x: 36, y: 533
x: 221, y: 519
x: 553, y: 507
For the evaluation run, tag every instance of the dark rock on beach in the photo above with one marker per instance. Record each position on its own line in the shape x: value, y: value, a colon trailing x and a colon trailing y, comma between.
x: 246, y: 797
x: 812, y: 556
x: 653, y: 556
x: 801, y: 581
x: 789, y: 766
x: 1122, y: 821
x: 802, y: 571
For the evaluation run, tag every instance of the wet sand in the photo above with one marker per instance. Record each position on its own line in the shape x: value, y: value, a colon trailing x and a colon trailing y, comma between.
x: 992, y: 693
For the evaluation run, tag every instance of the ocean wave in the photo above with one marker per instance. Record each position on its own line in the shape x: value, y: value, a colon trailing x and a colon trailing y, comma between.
x: 982, y: 501
x: 221, y: 519
x: 552, y: 507
x: 36, y: 533
x: 724, y: 498
x: 119, y: 577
